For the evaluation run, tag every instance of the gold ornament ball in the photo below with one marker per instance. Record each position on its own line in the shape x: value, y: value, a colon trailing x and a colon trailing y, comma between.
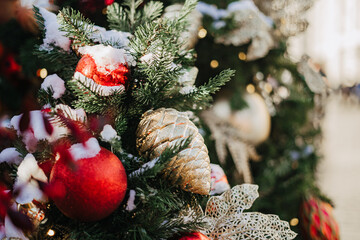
x: 254, y: 120
x: 167, y: 127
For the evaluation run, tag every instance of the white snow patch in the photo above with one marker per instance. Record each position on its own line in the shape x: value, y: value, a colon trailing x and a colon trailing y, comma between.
x: 238, y: 6
x: 188, y: 75
x: 15, y: 122
x: 52, y: 33
x: 37, y: 125
x: 219, y: 24
x: 5, y: 122
x: 147, y: 58
x: 36, y: 130
x: 133, y: 157
x: 38, y: 3
x: 144, y: 167
x: 56, y: 84
x: 107, y: 58
x: 89, y: 149
x: 173, y: 66
x: 59, y: 130
x: 46, y: 106
x: 241, y: 5
x: 108, y: 133
x: 2, y: 231
x: 130, y: 203
x: 118, y: 38
x: 10, y: 155
x: 25, y: 183
x: 211, y: 10
x: 164, y: 222
x: 248, y: 5
x: 187, y: 89
x: 100, y: 89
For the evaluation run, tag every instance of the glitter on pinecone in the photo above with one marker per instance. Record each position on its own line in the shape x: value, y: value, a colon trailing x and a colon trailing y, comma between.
x: 166, y: 127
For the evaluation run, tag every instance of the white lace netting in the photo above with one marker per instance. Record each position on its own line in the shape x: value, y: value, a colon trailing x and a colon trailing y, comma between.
x: 226, y: 218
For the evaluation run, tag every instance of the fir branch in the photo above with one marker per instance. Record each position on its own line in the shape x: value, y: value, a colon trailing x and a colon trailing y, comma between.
x: 57, y: 60
x: 120, y: 124
x: 9, y: 173
x: 40, y: 21
x: 117, y: 18
x: 161, y: 40
x: 43, y: 151
x: 76, y: 26
x: 188, y: 7
x: 215, y: 83
x: 200, y: 97
x: 45, y: 97
x: 89, y: 98
x: 20, y: 147
x: 143, y: 36
x: 160, y: 81
x: 145, y: 172
x: 152, y: 10
x: 131, y: 12
x: 127, y: 18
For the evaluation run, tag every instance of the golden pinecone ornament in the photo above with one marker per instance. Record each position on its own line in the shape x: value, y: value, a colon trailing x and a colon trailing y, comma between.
x: 166, y: 127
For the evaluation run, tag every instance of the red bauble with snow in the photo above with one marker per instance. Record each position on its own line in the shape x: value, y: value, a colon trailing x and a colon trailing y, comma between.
x: 104, y: 67
x: 95, y: 186
x: 113, y: 77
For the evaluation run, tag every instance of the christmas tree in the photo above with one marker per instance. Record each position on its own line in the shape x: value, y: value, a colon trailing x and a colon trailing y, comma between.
x: 115, y: 151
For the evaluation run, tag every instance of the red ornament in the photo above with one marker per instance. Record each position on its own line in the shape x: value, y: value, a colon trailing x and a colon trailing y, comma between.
x: 46, y: 166
x: 87, y: 67
x: 10, y: 66
x: 194, y: 236
x: 5, y: 201
x: 109, y: 2
x: 94, y: 188
x: 89, y: 7
x: 317, y: 220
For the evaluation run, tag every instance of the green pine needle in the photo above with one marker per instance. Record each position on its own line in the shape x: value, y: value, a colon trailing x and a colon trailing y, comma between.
x: 76, y: 26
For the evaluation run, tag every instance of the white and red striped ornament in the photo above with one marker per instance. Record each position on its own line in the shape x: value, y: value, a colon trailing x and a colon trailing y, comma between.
x: 219, y: 182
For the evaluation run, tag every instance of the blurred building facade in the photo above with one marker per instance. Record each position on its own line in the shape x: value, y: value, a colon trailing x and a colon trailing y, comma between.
x: 333, y: 40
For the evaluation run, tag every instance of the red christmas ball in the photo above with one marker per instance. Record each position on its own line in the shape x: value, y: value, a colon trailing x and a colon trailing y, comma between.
x: 94, y: 187
x: 109, y: 76
x: 317, y: 220
x: 194, y: 236
x: 46, y: 166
